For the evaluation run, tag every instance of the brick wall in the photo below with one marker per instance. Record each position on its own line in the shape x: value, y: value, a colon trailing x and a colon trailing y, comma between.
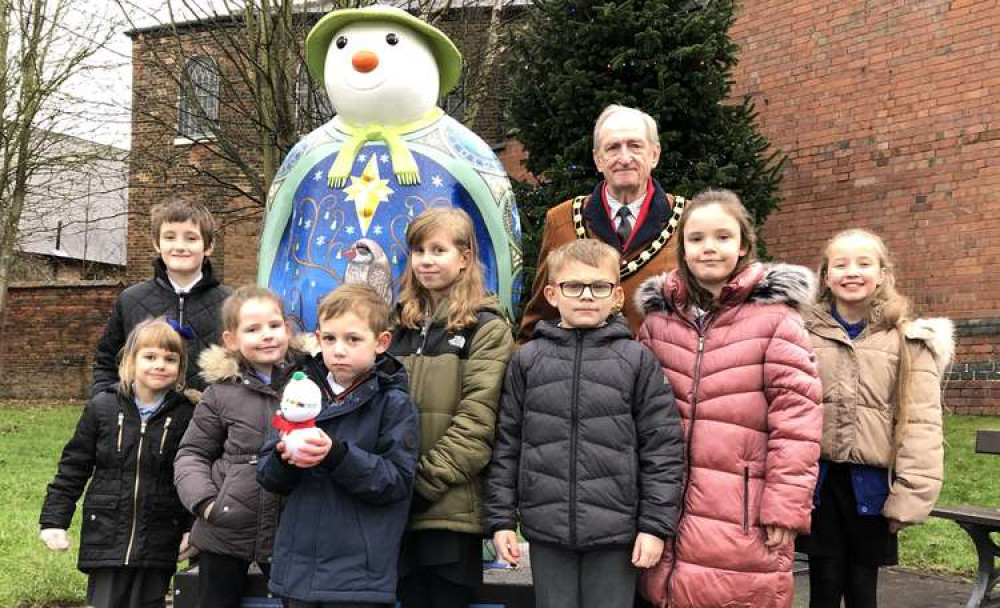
x: 49, y: 334
x: 887, y: 111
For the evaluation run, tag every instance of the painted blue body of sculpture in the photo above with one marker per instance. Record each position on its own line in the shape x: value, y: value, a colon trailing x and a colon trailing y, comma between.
x: 311, y: 226
x: 311, y: 258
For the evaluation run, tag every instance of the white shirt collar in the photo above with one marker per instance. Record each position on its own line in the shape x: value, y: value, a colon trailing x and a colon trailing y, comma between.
x: 634, y: 207
x: 336, y: 388
x: 184, y: 288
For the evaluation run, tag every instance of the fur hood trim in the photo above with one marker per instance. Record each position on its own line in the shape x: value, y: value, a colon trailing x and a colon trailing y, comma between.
x: 785, y: 284
x: 649, y: 298
x: 778, y: 284
x: 938, y: 334
x: 219, y: 364
x: 305, y: 342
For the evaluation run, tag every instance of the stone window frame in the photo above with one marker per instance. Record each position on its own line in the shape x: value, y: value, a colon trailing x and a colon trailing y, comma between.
x: 198, y: 100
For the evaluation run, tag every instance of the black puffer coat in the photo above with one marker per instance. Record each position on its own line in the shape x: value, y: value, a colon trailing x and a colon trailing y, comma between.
x: 131, y: 513
x: 199, y: 310
x: 217, y: 459
x: 589, y: 445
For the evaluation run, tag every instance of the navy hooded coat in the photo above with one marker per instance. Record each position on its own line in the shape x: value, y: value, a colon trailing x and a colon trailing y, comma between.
x: 339, y: 533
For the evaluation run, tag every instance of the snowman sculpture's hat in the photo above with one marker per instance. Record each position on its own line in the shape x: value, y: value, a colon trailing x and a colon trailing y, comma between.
x: 447, y: 56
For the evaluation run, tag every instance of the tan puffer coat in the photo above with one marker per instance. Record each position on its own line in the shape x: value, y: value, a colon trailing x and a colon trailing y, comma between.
x: 748, y: 392
x: 860, y: 406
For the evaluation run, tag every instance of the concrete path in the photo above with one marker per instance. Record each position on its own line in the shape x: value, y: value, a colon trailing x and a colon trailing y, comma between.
x: 901, y: 588
x: 898, y: 588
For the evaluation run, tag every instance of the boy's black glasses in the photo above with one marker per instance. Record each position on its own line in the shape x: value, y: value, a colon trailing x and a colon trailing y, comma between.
x: 598, y: 289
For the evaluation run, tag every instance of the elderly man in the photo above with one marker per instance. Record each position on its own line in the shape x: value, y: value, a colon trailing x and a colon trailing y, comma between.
x: 628, y: 210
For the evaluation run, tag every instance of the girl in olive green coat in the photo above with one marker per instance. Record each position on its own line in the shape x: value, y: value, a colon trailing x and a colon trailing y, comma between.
x: 455, y: 344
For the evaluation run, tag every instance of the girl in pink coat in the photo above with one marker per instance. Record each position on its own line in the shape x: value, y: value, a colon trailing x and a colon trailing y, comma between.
x: 735, y: 350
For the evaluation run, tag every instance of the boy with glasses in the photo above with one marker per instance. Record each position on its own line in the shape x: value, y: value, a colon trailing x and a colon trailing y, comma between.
x: 588, y: 456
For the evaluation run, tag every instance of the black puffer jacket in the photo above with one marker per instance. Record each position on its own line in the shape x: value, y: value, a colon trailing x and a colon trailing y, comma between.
x: 131, y: 513
x: 199, y: 310
x: 217, y: 459
x: 589, y: 445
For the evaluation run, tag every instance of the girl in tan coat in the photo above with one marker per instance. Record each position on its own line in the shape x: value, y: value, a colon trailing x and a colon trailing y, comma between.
x: 882, y: 457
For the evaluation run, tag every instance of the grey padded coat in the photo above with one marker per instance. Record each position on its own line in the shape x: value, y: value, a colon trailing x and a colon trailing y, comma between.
x: 589, y: 445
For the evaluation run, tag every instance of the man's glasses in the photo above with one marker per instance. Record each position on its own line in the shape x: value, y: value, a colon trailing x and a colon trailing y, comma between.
x: 598, y: 289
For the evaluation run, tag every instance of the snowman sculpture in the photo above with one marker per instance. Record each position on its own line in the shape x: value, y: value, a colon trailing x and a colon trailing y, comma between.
x: 387, y: 155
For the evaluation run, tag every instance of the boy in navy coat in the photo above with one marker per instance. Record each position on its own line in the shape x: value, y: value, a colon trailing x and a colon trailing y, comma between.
x: 349, y: 489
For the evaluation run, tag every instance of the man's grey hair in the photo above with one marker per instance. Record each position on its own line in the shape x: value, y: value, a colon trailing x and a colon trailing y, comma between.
x: 652, y: 132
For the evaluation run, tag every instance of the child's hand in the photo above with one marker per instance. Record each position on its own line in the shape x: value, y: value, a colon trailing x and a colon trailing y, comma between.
x: 507, y: 548
x: 55, y: 539
x: 312, y: 452
x: 647, y: 550
x: 778, y: 537
x: 186, y: 550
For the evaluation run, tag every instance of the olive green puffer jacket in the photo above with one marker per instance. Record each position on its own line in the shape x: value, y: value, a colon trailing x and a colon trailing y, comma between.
x: 455, y: 380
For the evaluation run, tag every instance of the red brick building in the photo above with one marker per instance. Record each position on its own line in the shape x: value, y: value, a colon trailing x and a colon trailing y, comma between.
x: 888, y: 113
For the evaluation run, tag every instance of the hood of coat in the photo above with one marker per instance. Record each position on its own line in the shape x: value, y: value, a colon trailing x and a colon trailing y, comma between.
x: 489, y: 304
x: 937, y: 333
x: 219, y: 364
x: 760, y: 284
x: 615, y: 329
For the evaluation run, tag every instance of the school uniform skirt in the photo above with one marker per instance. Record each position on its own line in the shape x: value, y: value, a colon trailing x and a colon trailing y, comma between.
x: 838, y: 530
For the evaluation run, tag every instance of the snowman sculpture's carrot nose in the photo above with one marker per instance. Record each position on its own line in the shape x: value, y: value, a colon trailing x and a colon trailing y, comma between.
x: 364, y: 61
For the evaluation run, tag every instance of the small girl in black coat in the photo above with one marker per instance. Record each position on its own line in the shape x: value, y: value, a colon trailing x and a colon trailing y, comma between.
x: 133, y: 523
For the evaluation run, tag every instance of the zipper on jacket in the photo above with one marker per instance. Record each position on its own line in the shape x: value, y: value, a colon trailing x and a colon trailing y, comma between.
x: 180, y: 307
x: 746, y: 499
x: 135, y: 493
x: 121, y: 420
x: 163, y: 438
x: 424, y: 331
x: 696, y: 380
x: 574, y: 420
x: 260, y: 503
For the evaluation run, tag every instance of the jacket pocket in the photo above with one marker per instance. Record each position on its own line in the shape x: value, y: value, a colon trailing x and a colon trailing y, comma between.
x: 100, y: 519
x: 364, y: 538
x: 746, y: 499
x: 166, y: 517
x: 240, y: 483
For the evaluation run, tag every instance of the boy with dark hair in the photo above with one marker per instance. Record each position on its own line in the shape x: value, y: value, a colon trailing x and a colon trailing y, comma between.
x: 183, y: 289
x: 349, y: 489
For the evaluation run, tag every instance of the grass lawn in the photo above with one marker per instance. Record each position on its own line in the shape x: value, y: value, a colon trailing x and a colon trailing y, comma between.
x: 32, y: 437
x: 31, y: 440
x: 969, y: 478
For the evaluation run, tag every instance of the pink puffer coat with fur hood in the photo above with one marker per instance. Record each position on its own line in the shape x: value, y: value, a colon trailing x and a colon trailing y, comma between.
x: 749, y: 396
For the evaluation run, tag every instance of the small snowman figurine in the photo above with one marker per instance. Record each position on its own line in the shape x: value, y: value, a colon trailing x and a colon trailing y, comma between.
x: 388, y: 154
x: 300, y: 404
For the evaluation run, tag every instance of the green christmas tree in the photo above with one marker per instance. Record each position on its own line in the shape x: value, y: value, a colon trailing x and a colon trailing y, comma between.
x: 673, y: 59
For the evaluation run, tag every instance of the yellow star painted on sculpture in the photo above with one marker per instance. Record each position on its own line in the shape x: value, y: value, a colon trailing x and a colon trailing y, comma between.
x: 367, y: 192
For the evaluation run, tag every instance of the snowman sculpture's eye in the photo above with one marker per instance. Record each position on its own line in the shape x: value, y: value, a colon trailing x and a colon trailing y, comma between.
x: 392, y: 39
x: 341, y: 42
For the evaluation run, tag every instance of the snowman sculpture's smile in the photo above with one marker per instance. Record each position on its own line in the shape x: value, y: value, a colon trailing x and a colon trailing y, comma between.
x: 380, y: 73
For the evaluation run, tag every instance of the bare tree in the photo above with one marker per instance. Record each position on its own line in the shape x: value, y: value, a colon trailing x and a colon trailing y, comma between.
x: 233, y: 95
x: 39, y: 53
